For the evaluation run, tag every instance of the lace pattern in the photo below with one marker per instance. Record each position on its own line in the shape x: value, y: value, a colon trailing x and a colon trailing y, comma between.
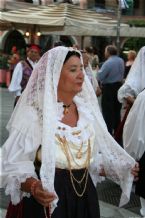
x: 41, y: 94
x: 13, y: 187
x: 135, y: 81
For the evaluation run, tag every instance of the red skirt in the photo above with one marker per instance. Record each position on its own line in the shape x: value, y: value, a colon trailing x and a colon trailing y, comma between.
x: 27, y: 208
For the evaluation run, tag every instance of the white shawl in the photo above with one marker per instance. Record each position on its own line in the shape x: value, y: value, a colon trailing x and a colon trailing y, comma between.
x: 135, y: 81
x: 134, y: 128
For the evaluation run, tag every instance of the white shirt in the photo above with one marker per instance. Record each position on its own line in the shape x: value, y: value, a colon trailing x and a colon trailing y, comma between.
x: 15, y: 85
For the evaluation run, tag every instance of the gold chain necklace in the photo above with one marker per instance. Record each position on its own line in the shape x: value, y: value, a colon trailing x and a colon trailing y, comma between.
x: 84, y: 164
x: 64, y: 144
x: 85, y: 176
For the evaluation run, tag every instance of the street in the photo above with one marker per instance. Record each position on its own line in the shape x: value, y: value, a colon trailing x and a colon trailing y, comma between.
x: 109, y: 193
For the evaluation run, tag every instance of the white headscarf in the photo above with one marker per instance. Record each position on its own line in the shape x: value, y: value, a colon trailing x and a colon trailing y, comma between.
x: 133, y: 132
x: 135, y: 81
x: 41, y: 94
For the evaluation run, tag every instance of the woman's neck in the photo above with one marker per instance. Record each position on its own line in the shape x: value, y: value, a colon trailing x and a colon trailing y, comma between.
x: 66, y: 99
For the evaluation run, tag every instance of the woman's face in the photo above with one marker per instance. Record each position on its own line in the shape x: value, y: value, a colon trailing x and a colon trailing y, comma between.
x: 131, y: 56
x: 85, y: 59
x: 72, y: 77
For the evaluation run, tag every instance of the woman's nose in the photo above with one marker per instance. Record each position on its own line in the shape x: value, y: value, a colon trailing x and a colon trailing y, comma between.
x: 81, y: 74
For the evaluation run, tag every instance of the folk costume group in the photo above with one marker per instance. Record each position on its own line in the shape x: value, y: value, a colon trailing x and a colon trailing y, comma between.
x: 59, y: 146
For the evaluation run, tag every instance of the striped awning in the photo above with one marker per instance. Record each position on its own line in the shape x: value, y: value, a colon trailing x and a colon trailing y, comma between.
x: 62, y: 18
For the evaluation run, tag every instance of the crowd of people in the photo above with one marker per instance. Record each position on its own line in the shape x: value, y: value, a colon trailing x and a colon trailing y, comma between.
x: 61, y: 144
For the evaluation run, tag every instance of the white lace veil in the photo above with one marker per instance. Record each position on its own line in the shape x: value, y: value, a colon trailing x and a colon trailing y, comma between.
x: 136, y: 76
x: 41, y: 94
x: 135, y: 81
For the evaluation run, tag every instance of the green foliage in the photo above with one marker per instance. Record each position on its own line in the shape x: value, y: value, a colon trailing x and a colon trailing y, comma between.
x: 3, y: 62
x: 136, y: 23
x: 134, y: 44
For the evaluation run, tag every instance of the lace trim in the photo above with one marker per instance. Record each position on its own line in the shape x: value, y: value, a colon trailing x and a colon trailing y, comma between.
x: 135, y: 81
x: 13, y: 187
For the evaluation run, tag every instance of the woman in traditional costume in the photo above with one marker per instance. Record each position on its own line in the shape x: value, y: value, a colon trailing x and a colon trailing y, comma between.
x: 134, y: 142
x: 59, y: 144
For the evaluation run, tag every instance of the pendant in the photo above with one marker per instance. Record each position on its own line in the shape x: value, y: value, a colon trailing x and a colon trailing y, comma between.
x: 79, y: 155
x: 65, y: 110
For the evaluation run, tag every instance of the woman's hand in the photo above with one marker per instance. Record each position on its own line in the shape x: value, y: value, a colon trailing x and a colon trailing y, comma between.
x: 98, y: 91
x: 130, y: 100
x: 42, y: 196
x: 135, y: 171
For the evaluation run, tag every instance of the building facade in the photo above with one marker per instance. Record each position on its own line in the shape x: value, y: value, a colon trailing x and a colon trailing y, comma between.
x: 109, y: 7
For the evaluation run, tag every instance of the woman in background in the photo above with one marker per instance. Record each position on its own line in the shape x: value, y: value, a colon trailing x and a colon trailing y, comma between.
x: 130, y: 59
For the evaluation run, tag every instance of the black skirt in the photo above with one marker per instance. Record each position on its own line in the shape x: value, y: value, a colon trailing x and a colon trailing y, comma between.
x: 69, y: 204
x: 140, y: 184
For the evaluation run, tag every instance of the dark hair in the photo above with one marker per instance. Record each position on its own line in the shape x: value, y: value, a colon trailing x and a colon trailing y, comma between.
x: 58, y: 43
x: 71, y: 53
x: 89, y: 49
x: 111, y: 49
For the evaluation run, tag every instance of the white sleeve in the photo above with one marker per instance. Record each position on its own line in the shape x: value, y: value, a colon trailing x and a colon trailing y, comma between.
x: 125, y: 91
x: 95, y: 82
x: 18, y: 159
x: 16, y: 80
x: 133, y: 133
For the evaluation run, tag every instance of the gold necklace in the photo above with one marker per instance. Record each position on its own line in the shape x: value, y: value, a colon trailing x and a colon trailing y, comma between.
x: 85, y: 175
x: 79, y: 153
x: 84, y: 164
x: 64, y: 144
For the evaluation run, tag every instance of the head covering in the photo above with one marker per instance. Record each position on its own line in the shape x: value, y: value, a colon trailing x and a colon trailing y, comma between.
x: 14, y: 49
x: 133, y: 132
x: 34, y: 47
x: 135, y: 81
x: 41, y: 94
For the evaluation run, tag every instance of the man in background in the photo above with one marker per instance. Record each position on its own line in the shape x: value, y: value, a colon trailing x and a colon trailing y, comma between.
x: 110, y: 76
x: 23, y: 70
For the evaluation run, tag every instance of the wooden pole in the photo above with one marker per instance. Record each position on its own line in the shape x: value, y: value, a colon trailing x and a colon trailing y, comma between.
x: 118, y: 26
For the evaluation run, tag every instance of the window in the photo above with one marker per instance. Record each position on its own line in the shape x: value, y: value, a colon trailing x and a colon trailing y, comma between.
x: 100, y: 3
x: 136, y: 4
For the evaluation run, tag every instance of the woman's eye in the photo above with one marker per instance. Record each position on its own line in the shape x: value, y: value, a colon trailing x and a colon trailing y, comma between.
x: 73, y: 70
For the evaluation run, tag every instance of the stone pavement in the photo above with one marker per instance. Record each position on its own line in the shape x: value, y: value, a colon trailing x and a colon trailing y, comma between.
x: 6, y: 108
x: 108, y: 192
x: 106, y: 210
